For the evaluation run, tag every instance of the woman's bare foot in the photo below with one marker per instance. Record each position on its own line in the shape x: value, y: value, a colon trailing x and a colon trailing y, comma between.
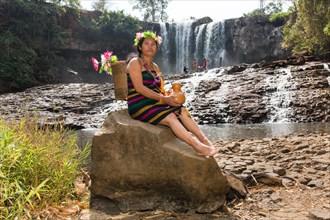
x: 207, y: 151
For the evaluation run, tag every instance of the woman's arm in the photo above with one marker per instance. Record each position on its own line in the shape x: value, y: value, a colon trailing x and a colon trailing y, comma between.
x: 134, y: 69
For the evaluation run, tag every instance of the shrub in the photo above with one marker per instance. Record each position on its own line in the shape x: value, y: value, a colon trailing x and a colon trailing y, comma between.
x: 38, y: 167
x: 279, y: 17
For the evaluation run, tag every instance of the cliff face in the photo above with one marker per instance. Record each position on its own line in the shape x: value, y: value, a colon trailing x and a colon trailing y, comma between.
x: 253, y: 39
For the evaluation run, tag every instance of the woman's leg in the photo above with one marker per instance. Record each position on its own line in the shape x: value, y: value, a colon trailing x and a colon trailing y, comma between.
x: 181, y: 132
x: 193, y: 127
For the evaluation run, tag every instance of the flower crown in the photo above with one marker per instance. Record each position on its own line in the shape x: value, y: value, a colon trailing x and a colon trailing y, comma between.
x: 147, y: 34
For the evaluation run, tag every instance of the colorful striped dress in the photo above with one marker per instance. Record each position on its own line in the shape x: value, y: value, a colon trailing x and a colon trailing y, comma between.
x: 145, y: 109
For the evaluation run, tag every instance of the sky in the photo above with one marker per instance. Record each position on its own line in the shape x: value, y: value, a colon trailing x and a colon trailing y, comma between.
x: 180, y: 10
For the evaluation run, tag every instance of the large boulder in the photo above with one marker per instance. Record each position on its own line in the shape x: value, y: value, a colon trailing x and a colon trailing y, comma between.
x: 137, y: 166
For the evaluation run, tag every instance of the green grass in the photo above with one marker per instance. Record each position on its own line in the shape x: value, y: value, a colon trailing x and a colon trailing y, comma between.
x: 38, y: 167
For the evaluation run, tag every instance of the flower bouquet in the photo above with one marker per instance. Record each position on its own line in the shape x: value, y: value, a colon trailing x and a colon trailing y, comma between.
x: 111, y: 65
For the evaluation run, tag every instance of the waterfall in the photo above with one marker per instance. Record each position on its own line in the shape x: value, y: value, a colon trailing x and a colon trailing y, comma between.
x: 280, y: 98
x: 182, y: 42
x: 165, y: 44
x: 207, y: 41
x: 214, y: 44
x: 182, y: 39
x: 199, y: 48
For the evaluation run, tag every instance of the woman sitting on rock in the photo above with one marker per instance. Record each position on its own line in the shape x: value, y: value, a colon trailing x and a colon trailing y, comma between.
x: 148, y: 101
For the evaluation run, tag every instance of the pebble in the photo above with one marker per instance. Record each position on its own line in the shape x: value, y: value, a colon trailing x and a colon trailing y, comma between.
x: 315, y: 183
x: 321, y: 214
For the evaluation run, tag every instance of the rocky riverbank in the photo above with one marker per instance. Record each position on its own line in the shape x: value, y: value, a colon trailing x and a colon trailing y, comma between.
x: 261, y: 93
x: 294, y: 184
x: 280, y: 91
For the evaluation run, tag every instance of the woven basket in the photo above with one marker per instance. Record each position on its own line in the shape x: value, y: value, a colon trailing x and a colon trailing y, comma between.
x: 120, y: 80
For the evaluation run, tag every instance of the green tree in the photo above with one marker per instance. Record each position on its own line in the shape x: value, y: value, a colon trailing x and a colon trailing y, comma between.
x: 100, y: 5
x: 118, y: 25
x: 255, y: 12
x: 273, y: 7
x: 70, y: 3
x: 309, y: 30
x: 28, y: 38
x: 153, y: 10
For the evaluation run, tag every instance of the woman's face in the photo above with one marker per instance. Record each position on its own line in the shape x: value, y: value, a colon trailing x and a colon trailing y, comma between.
x: 149, y: 47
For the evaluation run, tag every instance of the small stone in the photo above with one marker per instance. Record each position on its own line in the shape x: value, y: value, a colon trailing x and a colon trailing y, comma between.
x: 247, y: 171
x: 321, y: 152
x: 327, y: 206
x: 249, y: 162
x: 322, y: 167
x: 270, y: 157
x: 288, y: 182
x: 275, y: 198
x: 241, y: 163
x: 304, y: 180
x: 315, y: 183
x: 279, y: 170
x: 311, y: 171
x: 319, y: 214
x: 302, y: 146
x: 301, y: 158
x: 285, y: 150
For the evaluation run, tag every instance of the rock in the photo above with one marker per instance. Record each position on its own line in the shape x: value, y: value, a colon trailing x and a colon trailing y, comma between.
x: 275, y: 198
x: 317, y: 213
x: 139, y: 166
x: 315, y: 183
x: 305, y: 180
x: 237, y: 188
x: 279, y: 170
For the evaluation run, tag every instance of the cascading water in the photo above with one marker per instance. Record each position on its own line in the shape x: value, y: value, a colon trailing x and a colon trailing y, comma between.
x: 280, y: 99
x: 182, y: 42
x: 326, y: 66
x: 182, y: 39
x: 165, y: 44
x: 214, y: 47
x: 199, y: 45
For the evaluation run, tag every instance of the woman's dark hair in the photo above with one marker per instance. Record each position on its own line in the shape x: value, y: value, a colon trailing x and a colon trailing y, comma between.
x: 140, y: 45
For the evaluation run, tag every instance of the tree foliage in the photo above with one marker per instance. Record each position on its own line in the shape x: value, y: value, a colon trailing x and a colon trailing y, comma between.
x: 273, y: 7
x: 115, y: 24
x: 100, y: 5
x: 71, y: 3
x: 152, y: 10
x: 309, y: 31
x: 29, y: 33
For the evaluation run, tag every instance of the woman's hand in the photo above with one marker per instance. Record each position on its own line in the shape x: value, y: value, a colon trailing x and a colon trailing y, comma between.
x: 170, y: 100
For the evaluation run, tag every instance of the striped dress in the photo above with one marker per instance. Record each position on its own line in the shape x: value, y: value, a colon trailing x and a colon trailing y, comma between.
x: 145, y: 109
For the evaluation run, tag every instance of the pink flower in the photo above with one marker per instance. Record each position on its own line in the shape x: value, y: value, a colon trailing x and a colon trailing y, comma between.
x: 107, y: 55
x: 95, y: 63
x: 139, y: 35
x: 159, y: 40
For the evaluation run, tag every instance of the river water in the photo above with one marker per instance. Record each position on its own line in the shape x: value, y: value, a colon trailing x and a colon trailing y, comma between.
x: 239, y: 131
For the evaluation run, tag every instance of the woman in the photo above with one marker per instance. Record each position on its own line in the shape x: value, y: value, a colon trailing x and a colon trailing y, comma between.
x: 148, y: 102
x: 194, y: 65
x: 204, y: 64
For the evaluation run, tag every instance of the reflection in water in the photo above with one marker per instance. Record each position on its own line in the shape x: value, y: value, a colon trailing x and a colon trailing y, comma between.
x: 238, y: 131
x: 247, y: 131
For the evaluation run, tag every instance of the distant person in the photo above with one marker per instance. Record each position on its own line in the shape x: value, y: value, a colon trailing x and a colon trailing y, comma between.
x: 204, y: 64
x: 220, y: 61
x: 185, y: 69
x: 194, y: 65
